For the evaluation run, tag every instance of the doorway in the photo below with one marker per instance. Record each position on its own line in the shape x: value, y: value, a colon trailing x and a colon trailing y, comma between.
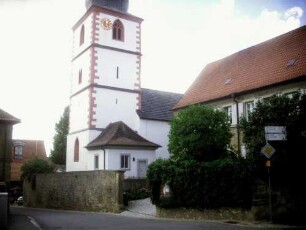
x: 142, y: 168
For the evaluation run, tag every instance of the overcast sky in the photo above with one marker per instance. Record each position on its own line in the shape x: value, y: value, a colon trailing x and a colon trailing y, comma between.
x: 179, y: 37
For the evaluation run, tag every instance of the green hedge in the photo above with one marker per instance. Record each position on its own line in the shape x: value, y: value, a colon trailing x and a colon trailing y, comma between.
x: 220, y: 183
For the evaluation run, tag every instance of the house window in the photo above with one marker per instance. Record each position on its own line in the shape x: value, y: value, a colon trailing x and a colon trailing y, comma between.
x: 18, y: 149
x: 229, y: 113
x: 96, y: 162
x: 118, y: 30
x: 125, y: 161
x: 76, y: 150
x: 80, y: 76
x: 82, y: 34
x: 248, y: 109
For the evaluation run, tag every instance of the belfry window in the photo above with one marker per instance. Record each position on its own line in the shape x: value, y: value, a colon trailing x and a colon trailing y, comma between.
x: 118, y: 31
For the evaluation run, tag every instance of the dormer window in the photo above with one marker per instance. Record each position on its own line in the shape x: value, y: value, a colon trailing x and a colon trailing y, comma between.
x: 18, y: 149
x: 118, y: 31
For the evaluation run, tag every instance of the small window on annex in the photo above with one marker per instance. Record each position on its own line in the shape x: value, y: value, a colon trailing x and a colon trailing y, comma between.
x: 76, y: 150
x: 125, y: 161
x: 228, y: 111
x: 96, y: 162
x: 82, y: 34
x: 118, y: 31
x: 248, y: 108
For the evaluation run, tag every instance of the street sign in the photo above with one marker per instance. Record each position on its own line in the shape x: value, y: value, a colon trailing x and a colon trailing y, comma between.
x: 275, y: 133
x: 275, y: 129
x: 276, y: 137
x: 268, y: 150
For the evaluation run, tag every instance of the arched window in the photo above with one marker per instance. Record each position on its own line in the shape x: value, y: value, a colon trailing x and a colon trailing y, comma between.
x: 76, y: 150
x: 82, y: 35
x: 118, y: 30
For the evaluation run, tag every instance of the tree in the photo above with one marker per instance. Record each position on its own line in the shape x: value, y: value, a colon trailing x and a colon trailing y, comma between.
x: 199, y: 132
x: 288, y: 161
x: 58, y: 154
x: 276, y: 111
x: 33, y: 167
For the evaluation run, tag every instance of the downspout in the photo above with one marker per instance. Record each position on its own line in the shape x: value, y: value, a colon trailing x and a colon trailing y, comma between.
x: 234, y: 96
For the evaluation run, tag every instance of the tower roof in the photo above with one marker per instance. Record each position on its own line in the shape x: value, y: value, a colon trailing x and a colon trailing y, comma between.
x: 118, y: 5
x: 119, y: 135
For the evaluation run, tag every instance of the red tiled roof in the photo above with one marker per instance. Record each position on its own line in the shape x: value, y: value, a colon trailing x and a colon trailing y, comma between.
x: 258, y: 66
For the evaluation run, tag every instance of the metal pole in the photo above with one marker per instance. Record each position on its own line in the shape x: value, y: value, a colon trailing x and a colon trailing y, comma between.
x: 270, y: 196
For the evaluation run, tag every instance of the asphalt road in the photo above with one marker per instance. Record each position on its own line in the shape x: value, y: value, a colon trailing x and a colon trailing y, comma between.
x: 42, y: 219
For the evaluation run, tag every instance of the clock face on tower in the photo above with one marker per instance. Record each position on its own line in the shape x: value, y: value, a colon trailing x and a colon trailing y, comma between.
x: 106, y: 24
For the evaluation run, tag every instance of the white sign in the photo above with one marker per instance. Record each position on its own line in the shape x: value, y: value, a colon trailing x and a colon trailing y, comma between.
x: 275, y: 129
x: 276, y: 137
x: 268, y: 150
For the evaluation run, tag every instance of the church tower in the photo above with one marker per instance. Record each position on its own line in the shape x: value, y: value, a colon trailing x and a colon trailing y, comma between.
x: 105, y: 81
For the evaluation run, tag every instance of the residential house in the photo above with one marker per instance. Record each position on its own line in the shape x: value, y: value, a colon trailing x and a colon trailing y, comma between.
x: 6, y: 129
x: 236, y: 82
x: 22, y: 152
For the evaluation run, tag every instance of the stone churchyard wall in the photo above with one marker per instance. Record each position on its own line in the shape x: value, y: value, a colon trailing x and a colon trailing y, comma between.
x: 82, y: 191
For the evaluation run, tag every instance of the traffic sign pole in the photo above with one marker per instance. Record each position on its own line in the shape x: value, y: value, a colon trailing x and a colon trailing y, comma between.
x: 268, y: 165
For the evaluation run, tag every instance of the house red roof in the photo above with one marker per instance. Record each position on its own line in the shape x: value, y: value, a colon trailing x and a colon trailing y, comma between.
x: 272, y: 62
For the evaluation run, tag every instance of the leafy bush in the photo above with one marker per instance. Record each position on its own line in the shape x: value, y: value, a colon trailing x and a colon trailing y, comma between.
x: 220, y: 183
x: 199, y: 132
x: 33, y: 167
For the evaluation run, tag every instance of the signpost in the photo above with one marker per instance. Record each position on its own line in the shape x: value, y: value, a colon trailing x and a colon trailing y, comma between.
x: 272, y: 133
x: 275, y: 133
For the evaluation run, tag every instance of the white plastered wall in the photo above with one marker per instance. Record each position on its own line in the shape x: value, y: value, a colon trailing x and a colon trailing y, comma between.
x: 114, y: 156
x: 108, y: 61
x: 157, y: 132
x: 79, y: 107
x: 77, y: 48
x: 115, y: 106
x: 85, y: 162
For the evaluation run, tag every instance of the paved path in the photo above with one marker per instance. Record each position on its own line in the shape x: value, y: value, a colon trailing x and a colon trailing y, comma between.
x: 140, y: 208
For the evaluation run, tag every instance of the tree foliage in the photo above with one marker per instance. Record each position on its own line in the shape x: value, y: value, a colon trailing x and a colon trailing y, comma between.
x: 277, y: 111
x: 58, y: 153
x: 33, y: 167
x: 199, y: 132
x: 200, y: 173
x: 220, y: 183
x: 288, y: 161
